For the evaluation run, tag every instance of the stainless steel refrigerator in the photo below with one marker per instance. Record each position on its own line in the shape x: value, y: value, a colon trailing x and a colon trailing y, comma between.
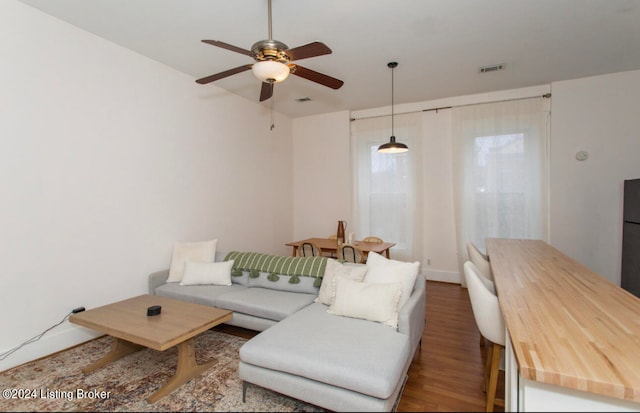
x: 630, y: 279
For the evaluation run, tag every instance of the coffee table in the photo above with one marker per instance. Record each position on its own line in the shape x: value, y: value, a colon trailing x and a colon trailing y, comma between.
x: 132, y: 330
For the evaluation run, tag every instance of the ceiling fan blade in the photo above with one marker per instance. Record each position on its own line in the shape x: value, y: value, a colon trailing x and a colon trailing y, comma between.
x: 228, y: 47
x: 221, y: 75
x: 317, y: 77
x: 266, y: 92
x: 308, y: 50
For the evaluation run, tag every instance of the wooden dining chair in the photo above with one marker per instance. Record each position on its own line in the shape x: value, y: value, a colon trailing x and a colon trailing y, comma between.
x: 332, y: 254
x: 351, y: 253
x: 377, y: 240
x: 309, y: 249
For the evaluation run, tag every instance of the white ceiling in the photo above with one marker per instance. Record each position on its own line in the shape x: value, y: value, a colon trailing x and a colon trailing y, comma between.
x: 439, y: 44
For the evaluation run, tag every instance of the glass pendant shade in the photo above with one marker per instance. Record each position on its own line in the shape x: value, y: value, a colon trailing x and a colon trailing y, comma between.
x: 270, y: 71
x: 393, y: 147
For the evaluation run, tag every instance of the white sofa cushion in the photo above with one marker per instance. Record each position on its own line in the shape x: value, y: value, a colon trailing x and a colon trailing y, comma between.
x: 264, y: 303
x: 354, y: 354
x: 384, y: 270
x: 216, y: 273
x: 199, y: 294
x: 336, y: 269
x: 374, y: 302
x: 204, y: 251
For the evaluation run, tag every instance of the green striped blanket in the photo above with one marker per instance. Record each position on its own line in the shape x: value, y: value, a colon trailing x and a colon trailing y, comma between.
x: 255, y: 263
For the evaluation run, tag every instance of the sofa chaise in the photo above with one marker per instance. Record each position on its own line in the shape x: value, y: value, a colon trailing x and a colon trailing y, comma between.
x: 304, y: 351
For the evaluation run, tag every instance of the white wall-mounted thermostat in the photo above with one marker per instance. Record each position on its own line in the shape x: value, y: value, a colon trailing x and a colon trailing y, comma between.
x: 582, y: 156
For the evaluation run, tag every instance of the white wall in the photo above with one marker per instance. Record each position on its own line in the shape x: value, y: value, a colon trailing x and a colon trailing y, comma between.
x: 439, y: 230
x: 322, y: 174
x: 106, y: 159
x: 598, y: 115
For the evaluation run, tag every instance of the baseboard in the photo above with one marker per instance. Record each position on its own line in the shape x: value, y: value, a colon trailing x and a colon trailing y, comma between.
x: 443, y: 276
x: 50, y: 343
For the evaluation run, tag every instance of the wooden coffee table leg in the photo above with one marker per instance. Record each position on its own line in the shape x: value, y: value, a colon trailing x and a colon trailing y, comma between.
x: 186, y: 370
x: 119, y: 349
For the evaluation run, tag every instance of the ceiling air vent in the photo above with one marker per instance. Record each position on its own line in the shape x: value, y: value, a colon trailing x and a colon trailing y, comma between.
x: 306, y: 99
x: 492, y: 68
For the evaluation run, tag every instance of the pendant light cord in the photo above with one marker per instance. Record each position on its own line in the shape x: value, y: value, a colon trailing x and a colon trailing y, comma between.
x: 392, y: 93
x: 392, y: 146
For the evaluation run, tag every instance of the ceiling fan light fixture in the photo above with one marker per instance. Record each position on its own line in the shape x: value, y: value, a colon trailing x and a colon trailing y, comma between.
x: 274, y: 63
x: 392, y: 146
x: 270, y: 71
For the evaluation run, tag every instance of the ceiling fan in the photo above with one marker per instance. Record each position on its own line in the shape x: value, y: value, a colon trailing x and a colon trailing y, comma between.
x: 274, y: 63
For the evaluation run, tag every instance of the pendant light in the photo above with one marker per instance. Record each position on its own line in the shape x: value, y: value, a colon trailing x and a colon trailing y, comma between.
x: 392, y: 146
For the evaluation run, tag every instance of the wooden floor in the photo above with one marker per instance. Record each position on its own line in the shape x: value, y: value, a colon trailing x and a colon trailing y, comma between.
x: 446, y: 373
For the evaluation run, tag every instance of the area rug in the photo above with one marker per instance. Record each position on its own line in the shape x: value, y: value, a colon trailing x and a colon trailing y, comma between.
x: 56, y: 383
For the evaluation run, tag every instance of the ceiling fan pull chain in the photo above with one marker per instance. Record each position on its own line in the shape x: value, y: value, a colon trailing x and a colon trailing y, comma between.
x: 273, y: 121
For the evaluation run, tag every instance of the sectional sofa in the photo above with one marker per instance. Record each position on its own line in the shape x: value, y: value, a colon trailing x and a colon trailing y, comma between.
x: 307, y: 348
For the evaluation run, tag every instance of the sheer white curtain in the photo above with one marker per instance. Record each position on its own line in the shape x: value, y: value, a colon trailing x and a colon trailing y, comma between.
x: 387, y: 187
x: 500, y: 160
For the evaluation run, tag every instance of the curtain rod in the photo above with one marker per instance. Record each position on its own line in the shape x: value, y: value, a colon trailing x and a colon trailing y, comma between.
x: 546, y: 95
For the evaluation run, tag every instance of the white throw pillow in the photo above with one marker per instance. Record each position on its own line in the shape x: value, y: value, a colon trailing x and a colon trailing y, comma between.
x: 204, y: 251
x: 216, y: 273
x: 336, y: 269
x: 374, y: 302
x: 384, y: 270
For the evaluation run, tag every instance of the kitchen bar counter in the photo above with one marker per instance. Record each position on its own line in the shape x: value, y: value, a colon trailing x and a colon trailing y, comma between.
x: 570, y: 329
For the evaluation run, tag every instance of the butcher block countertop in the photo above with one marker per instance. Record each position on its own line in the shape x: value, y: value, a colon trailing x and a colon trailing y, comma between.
x: 569, y: 326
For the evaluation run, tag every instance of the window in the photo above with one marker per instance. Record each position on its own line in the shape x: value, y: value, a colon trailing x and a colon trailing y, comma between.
x: 500, y: 163
x: 498, y: 176
x: 385, y: 185
x: 498, y: 183
x: 390, y: 185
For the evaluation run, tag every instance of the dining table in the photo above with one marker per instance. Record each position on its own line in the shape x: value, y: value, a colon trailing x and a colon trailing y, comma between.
x: 330, y: 245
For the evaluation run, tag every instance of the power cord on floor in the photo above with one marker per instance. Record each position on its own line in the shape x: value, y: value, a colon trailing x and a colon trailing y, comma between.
x: 39, y: 336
